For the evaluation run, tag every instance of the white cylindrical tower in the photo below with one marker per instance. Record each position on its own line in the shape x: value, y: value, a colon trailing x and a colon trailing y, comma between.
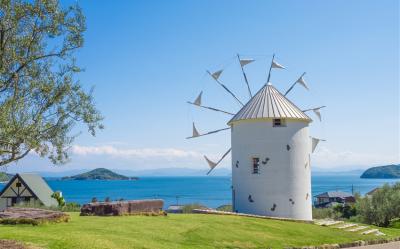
x: 271, y: 150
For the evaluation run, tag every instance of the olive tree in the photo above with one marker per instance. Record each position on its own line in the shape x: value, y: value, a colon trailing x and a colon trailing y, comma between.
x: 382, y: 207
x: 40, y: 98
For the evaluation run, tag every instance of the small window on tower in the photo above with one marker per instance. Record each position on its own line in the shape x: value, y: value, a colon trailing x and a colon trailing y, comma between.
x: 277, y: 122
x: 256, y: 165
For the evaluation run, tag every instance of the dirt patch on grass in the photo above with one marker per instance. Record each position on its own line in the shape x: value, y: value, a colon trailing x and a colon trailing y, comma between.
x: 11, y: 244
x: 33, y: 216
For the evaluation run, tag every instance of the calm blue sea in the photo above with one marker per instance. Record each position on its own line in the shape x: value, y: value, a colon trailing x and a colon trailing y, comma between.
x: 209, y: 191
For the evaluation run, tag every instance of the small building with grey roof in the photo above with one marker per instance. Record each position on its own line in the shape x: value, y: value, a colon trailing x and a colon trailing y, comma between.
x: 26, y: 188
x: 331, y: 198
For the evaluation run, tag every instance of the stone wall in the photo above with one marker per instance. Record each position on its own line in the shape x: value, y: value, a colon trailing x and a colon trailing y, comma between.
x: 122, y: 207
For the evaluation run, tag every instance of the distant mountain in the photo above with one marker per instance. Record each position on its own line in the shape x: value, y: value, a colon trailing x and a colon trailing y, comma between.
x: 98, y: 174
x: 148, y: 172
x: 4, y: 177
x: 175, y: 172
x: 383, y: 172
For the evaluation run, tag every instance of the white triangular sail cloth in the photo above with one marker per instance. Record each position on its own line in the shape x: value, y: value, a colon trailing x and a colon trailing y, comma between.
x: 244, y: 62
x: 314, y: 143
x: 318, y: 113
x: 210, y: 163
x: 277, y: 65
x: 197, y: 101
x: 195, y: 132
x: 302, y: 82
x: 216, y: 74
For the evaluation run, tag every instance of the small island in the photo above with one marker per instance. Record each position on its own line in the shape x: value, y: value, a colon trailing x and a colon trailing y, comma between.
x: 382, y: 172
x: 99, y: 174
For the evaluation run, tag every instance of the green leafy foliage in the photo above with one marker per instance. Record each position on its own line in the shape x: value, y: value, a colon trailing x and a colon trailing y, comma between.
x: 4, y: 177
x: 59, y: 198
x: 40, y: 98
x: 188, y: 208
x: 68, y: 207
x: 382, y: 207
x: 322, y: 213
x: 225, y: 208
x: 345, y: 211
x: 336, y: 212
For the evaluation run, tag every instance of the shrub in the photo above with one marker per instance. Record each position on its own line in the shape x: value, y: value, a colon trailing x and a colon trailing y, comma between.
x: 322, y: 213
x: 188, y: 208
x: 19, y: 221
x: 345, y: 211
x: 107, y: 199
x: 225, y: 208
x: 59, y: 198
x: 395, y: 223
x: 68, y: 207
x: 71, y: 207
x: 382, y: 207
x: 94, y: 200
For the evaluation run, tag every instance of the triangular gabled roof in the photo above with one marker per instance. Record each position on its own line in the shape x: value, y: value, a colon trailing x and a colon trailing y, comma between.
x: 269, y: 103
x: 37, y: 185
x: 332, y: 194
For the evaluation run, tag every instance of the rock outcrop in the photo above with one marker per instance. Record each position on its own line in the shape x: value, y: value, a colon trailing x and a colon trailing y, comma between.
x: 123, y: 208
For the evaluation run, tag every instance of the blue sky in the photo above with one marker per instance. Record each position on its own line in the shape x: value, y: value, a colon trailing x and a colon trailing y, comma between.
x: 147, y: 58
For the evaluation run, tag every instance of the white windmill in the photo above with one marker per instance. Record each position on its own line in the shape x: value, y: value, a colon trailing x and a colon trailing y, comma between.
x: 271, y: 150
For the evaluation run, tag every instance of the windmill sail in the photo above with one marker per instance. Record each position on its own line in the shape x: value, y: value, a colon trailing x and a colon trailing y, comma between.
x: 195, y: 132
x: 315, y: 142
x: 276, y: 65
x: 197, y: 101
x: 216, y: 74
x: 316, y: 111
x: 210, y: 163
x: 301, y: 81
x: 213, y: 164
x: 244, y: 62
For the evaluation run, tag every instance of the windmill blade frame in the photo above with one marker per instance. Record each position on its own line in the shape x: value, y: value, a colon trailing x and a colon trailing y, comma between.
x: 226, y: 88
x: 242, y: 63
x: 211, y: 108
x: 316, y: 111
x: 208, y: 133
x: 300, y: 81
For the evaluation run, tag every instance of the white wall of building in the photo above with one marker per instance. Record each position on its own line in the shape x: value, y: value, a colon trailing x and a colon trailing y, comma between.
x: 284, y: 181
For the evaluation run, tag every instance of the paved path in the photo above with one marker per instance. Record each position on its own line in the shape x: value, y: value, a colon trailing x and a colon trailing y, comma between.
x: 392, y: 245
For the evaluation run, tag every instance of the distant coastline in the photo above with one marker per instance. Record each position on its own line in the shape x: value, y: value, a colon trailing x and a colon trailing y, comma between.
x: 382, y: 172
x: 4, y: 177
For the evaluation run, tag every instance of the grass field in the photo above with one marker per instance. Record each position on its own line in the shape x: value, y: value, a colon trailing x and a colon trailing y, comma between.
x: 178, y: 231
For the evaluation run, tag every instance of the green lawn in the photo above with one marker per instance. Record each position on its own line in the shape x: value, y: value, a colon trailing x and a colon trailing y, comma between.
x: 178, y: 231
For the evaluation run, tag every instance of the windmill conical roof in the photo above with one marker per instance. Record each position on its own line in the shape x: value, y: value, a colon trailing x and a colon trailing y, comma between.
x: 269, y: 103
